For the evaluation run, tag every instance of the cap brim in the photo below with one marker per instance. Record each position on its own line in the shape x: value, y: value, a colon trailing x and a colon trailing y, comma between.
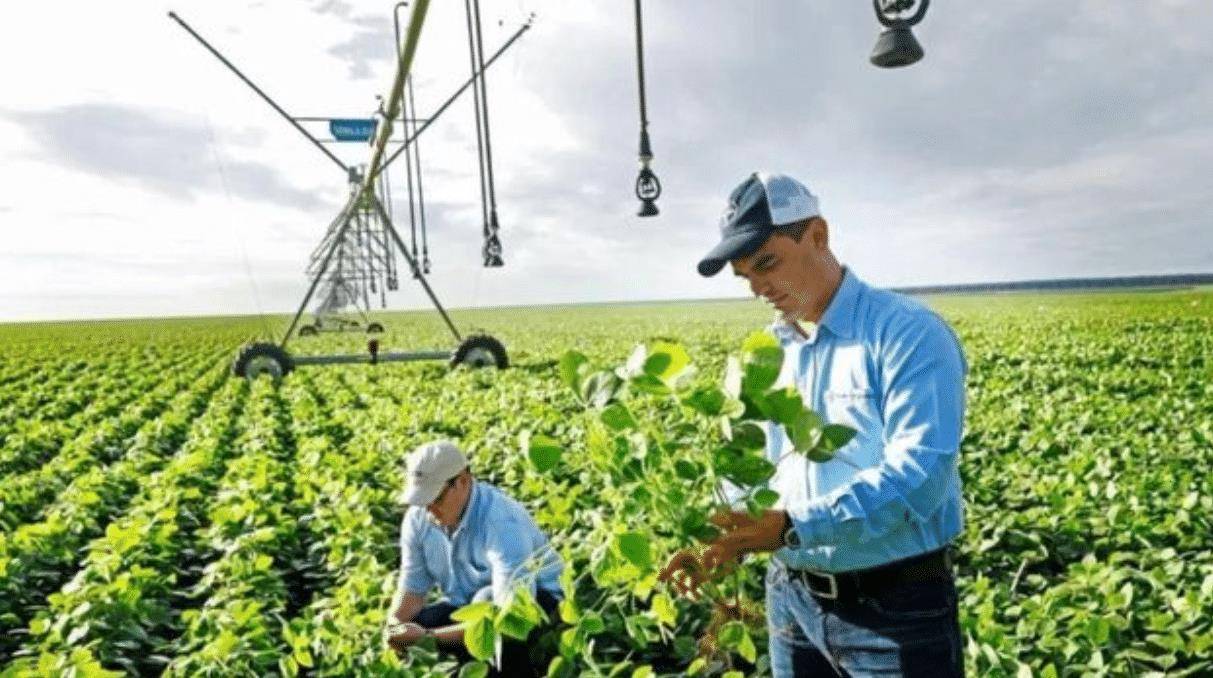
x: 730, y: 248
x: 422, y: 494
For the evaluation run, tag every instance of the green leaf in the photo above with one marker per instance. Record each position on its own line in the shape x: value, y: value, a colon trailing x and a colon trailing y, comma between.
x: 766, y: 498
x: 571, y: 369
x: 600, y: 388
x: 560, y: 668
x: 522, y: 615
x: 592, y: 624
x: 473, y: 612
x: 758, y: 340
x: 694, y: 523
x: 746, y: 469
x: 748, y: 436
x: 688, y: 470
x: 819, y: 456
x: 663, y: 609
x: 476, y: 670
x: 731, y: 634
x: 834, y: 436
x: 732, y: 409
x: 647, y: 383
x: 666, y: 361
x: 479, y: 637
x: 544, y: 452
x: 707, y: 400
x: 39, y: 626
x: 746, y: 648
x: 635, y: 547
x: 303, y: 657
x: 617, y: 417
x: 783, y: 405
x: 761, y: 362
x: 805, y: 431
x: 569, y: 613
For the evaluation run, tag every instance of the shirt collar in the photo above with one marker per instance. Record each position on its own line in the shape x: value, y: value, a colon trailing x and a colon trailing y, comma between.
x: 474, y: 502
x: 839, y: 316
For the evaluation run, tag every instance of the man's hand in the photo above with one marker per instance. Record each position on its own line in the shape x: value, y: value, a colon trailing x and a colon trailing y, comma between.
x: 732, y: 520
x: 401, y: 637
x: 690, y: 568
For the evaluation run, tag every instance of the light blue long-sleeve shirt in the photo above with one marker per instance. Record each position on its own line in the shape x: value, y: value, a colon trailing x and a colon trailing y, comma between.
x: 889, y: 367
x: 495, y: 547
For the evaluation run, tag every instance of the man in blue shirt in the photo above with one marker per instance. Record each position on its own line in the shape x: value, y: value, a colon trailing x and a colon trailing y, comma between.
x: 859, y: 582
x: 474, y: 543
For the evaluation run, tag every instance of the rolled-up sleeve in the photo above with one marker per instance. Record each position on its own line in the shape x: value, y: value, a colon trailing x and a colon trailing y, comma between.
x: 414, y: 576
x: 922, y: 372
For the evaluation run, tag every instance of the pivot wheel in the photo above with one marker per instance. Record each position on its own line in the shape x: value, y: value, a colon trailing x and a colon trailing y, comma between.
x: 262, y: 359
x: 480, y: 350
x: 374, y: 328
x: 308, y: 331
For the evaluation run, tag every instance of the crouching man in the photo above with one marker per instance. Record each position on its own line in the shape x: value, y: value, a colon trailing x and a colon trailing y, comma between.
x: 473, y: 542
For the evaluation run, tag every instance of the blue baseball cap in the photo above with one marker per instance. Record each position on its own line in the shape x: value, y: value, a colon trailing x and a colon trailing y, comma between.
x: 757, y: 208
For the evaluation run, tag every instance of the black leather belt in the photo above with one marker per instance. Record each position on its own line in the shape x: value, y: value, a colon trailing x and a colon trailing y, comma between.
x: 930, y: 566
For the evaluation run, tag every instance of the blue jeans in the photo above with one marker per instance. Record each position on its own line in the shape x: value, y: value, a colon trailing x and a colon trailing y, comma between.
x: 904, y: 629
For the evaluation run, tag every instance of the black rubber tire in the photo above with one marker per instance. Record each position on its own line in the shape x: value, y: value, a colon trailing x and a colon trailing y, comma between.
x: 374, y: 328
x: 475, y: 348
x: 308, y: 331
x: 255, y: 360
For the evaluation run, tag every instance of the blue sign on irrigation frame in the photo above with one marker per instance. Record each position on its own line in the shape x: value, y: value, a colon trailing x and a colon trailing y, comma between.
x: 352, y: 129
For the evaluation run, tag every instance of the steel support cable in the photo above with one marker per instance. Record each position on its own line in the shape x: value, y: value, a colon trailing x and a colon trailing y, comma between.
x: 477, y: 75
x: 273, y: 104
x: 378, y: 246
x: 425, y: 240
x: 492, y: 245
x: 248, y: 267
x: 408, y: 164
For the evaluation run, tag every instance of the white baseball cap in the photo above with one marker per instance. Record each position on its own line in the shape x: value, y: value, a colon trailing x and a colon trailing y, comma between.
x: 430, y: 466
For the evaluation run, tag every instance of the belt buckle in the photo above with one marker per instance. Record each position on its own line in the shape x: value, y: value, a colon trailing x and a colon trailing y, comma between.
x: 832, y: 594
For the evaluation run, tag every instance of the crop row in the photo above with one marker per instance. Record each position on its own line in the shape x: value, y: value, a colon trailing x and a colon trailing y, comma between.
x: 77, y: 406
x: 254, y: 542
x: 23, y: 495
x: 341, y: 496
x: 118, y: 609
x: 38, y: 557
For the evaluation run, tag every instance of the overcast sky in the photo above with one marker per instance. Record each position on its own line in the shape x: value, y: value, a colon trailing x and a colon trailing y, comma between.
x: 1037, y: 139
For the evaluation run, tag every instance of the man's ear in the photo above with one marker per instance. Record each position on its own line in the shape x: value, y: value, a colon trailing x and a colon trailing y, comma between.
x: 819, y: 232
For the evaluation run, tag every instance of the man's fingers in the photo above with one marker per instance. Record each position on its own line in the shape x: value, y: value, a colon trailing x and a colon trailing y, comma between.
x: 726, y: 520
x: 678, y: 562
x: 683, y: 573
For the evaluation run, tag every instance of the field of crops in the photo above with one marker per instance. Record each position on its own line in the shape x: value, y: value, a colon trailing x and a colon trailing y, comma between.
x: 158, y: 515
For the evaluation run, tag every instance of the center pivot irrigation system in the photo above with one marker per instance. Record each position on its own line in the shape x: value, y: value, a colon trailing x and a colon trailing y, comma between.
x: 356, y: 258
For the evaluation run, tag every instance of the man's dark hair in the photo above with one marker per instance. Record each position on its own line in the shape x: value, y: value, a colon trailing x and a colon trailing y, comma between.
x: 796, y: 230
